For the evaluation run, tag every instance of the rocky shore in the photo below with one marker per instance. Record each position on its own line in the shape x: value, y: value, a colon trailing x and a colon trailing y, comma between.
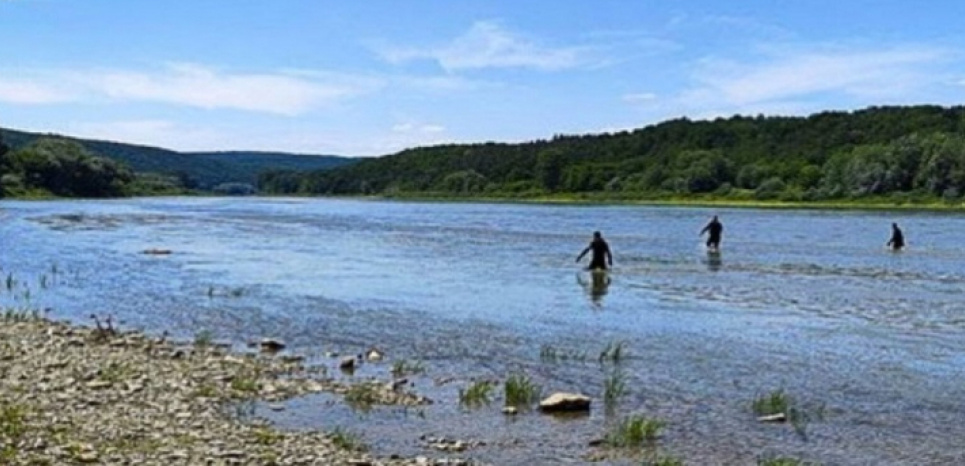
x: 77, y: 395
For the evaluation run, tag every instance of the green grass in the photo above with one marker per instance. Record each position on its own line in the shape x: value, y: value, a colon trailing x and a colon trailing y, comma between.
x: 614, y: 352
x: 266, y: 436
x: 614, y: 388
x: 776, y: 402
x: 245, y: 383
x: 479, y: 393
x: 402, y: 368
x: 13, y: 426
x: 550, y: 353
x: 737, y: 200
x: 347, y: 440
x: 362, y: 396
x: 634, y: 431
x: 520, y: 391
x: 12, y: 421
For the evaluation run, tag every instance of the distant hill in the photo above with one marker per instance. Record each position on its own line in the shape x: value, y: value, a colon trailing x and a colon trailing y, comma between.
x: 206, y: 169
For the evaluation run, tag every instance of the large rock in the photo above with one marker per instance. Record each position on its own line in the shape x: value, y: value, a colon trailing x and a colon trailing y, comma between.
x: 271, y: 345
x: 565, y: 402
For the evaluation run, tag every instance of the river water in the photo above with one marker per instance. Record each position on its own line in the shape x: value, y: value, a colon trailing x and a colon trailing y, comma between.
x: 869, y: 343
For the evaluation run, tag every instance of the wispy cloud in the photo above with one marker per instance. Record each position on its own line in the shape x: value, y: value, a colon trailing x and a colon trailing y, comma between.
x: 22, y: 92
x: 776, y: 80
x: 417, y: 128
x: 487, y: 44
x: 192, y: 85
x: 638, y: 98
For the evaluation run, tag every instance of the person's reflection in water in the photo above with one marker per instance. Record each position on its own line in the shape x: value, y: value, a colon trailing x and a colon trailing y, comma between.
x: 714, y: 262
x: 597, y: 287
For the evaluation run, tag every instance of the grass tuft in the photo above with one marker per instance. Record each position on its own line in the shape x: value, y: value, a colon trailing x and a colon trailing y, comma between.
x: 614, y: 352
x: 634, y: 431
x: 520, y: 391
x: 402, y: 368
x: 614, y: 388
x: 479, y: 393
x: 347, y: 440
x: 362, y: 396
x: 776, y: 402
x: 550, y: 353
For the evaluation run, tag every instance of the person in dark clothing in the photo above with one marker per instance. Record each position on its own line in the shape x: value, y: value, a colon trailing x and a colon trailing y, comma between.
x: 601, y: 253
x: 714, y: 228
x: 897, y: 240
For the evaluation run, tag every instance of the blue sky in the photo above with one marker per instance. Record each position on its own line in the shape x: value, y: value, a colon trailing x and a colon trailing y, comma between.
x: 364, y: 78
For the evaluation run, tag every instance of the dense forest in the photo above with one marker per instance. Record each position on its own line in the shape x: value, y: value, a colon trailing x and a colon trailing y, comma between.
x: 897, y: 153
x: 61, y: 168
x: 167, y: 170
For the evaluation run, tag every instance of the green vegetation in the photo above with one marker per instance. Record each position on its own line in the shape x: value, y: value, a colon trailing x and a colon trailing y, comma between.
x: 362, y: 396
x: 614, y: 352
x: 346, y: 440
x: 13, y: 426
x: 520, y: 391
x: 776, y: 402
x: 478, y: 393
x: 634, y: 431
x: 402, y: 368
x: 550, y: 353
x: 203, y: 338
x: 245, y: 383
x: 57, y: 167
x: 887, y: 155
x: 614, y: 388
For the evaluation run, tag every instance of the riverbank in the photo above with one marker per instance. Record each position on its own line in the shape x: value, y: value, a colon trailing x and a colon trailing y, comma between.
x: 879, y: 203
x: 866, y: 204
x: 76, y: 395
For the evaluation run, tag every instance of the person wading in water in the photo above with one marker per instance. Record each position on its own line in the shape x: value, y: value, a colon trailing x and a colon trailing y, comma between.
x: 714, y: 228
x: 897, y: 240
x: 601, y: 253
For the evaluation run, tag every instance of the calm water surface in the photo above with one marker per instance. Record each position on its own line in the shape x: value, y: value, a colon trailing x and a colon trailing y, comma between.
x: 870, y: 343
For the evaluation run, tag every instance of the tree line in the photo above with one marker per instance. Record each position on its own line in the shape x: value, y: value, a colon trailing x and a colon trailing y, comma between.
x: 900, y: 152
x: 58, y: 167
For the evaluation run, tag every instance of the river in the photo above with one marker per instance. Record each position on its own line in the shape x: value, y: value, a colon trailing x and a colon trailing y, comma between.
x: 869, y: 343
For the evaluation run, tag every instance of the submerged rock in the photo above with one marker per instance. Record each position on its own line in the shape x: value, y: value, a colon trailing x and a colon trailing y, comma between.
x: 347, y: 363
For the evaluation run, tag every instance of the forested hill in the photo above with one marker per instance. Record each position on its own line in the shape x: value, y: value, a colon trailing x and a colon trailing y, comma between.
x: 204, y: 170
x: 900, y: 152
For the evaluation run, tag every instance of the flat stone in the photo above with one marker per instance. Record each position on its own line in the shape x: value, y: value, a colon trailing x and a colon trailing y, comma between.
x: 565, y: 402
x: 779, y: 417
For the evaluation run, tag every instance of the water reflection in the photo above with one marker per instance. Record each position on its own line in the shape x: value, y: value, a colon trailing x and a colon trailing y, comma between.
x: 596, y: 286
x: 714, y: 262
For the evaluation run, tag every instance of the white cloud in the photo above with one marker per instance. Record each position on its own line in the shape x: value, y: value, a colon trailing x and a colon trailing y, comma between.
x: 417, y: 128
x: 488, y: 45
x: 192, y: 85
x: 29, y: 93
x: 639, y: 97
x: 878, y: 74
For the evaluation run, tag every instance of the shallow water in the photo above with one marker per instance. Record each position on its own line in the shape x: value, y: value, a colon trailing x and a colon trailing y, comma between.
x: 870, y: 343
